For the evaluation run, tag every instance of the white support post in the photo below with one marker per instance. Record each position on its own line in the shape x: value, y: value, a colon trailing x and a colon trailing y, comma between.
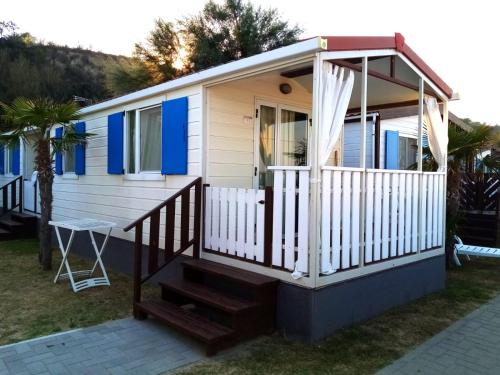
x: 362, y: 209
x: 364, y: 78
x: 315, y: 176
x: 445, y: 182
x: 420, y: 122
x: 420, y: 129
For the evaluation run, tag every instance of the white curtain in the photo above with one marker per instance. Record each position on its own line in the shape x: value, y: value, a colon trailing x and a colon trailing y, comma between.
x: 336, y: 93
x: 437, y: 132
x: 151, y: 139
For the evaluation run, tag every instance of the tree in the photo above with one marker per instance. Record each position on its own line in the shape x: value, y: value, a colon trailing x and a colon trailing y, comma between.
x: 154, y: 61
x: 37, y: 118
x: 7, y: 28
x: 125, y: 78
x: 232, y: 30
x: 463, y: 146
x: 218, y: 34
x: 161, y: 52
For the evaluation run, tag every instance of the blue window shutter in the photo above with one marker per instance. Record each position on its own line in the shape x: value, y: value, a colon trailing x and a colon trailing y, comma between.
x: 2, y: 159
x: 115, y: 143
x: 174, y: 129
x: 59, y: 167
x: 16, y: 159
x: 391, y: 149
x: 80, y: 151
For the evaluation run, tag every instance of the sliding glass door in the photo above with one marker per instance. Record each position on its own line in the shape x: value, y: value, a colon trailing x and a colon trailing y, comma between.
x: 282, y: 133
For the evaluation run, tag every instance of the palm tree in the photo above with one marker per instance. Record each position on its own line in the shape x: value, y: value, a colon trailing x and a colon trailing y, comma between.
x: 36, y: 118
x: 464, y: 149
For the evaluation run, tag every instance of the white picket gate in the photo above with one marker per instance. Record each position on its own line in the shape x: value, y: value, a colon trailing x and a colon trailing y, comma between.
x: 234, y: 222
x: 376, y: 215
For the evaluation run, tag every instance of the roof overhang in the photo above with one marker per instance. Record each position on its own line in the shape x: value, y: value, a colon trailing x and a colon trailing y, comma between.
x: 296, y: 50
x: 397, y: 43
x: 352, y: 46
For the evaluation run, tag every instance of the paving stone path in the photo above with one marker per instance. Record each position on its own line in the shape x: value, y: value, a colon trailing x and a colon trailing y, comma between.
x: 124, y: 346
x: 469, y: 346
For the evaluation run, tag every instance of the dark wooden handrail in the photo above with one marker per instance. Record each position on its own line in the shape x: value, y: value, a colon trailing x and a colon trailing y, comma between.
x: 14, y: 202
x: 154, y: 234
x: 163, y: 204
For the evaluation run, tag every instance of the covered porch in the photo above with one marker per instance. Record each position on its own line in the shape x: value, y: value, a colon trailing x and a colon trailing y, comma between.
x: 307, y: 183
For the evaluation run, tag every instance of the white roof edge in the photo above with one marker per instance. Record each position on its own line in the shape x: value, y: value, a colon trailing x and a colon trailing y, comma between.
x: 297, y: 49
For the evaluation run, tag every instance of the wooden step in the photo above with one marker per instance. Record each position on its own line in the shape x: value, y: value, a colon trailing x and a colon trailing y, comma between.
x: 209, y: 296
x: 23, y: 217
x: 194, y: 325
x: 11, y: 225
x: 234, y: 274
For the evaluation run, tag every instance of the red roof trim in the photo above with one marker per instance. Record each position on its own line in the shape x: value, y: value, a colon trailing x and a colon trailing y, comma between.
x: 397, y: 42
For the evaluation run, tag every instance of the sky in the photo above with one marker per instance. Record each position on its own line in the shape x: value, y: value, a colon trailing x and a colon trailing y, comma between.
x: 458, y: 39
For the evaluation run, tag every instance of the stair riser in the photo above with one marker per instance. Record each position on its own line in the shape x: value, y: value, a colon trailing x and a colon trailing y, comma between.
x: 250, y: 323
x: 180, y: 299
x: 20, y: 232
x: 262, y: 294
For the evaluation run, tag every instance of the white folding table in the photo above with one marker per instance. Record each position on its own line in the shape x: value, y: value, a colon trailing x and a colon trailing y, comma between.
x: 80, y: 225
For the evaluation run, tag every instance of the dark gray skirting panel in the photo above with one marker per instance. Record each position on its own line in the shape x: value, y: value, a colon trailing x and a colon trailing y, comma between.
x: 312, y: 315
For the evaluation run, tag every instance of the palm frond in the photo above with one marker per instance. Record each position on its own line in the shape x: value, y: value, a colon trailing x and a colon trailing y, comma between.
x: 69, y: 139
x: 38, y: 113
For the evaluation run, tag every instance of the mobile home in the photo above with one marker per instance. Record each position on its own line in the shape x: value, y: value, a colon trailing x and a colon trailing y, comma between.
x: 281, y: 165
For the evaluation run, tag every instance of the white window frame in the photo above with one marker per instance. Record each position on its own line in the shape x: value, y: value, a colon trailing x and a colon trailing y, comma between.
x: 65, y: 158
x: 278, y: 106
x: 138, y: 174
x: 407, y: 136
x: 68, y: 175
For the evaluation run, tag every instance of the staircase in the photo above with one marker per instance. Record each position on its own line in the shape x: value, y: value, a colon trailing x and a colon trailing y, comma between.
x: 216, y: 304
x: 17, y: 225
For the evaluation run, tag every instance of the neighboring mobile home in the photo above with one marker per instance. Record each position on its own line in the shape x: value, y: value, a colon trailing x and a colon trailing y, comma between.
x: 306, y: 181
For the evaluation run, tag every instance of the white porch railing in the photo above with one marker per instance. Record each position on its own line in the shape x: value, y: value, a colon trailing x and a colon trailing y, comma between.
x: 290, y: 246
x: 236, y: 225
x: 375, y: 215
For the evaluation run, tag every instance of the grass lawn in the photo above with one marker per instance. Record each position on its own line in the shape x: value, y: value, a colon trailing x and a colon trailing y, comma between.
x: 32, y: 305
x: 367, y: 347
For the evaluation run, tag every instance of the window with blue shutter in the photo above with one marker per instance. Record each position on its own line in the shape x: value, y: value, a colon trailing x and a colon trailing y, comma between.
x: 115, y: 143
x: 2, y: 159
x: 59, y: 157
x: 80, y: 150
x: 174, y: 133
x: 16, y: 159
x: 391, y: 149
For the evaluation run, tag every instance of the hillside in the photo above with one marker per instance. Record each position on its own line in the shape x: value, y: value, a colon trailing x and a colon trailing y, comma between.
x: 32, y: 69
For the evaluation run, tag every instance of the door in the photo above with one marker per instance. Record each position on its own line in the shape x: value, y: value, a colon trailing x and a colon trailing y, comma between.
x: 282, y: 136
x: 30, y: 192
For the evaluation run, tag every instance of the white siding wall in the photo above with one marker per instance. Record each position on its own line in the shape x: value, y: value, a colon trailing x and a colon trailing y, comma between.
x: 406, y: 126
x: 231, y: 124
x: 352, y: 144
x: 100, y: 195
